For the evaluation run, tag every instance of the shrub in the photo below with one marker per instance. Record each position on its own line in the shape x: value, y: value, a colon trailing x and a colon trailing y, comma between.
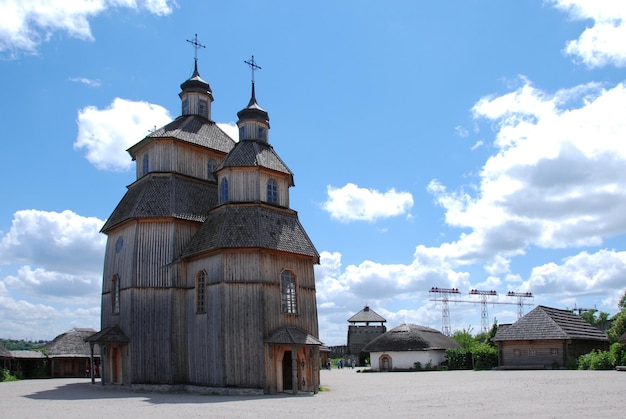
x: 459, y: 359
x: 602, y: 360
x: 5, y: 375
x: 485, y: 356
x: 618, y: 352
x: 584, y: 361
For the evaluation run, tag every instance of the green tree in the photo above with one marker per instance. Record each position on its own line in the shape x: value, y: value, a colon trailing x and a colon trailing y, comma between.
x: 618, y: 327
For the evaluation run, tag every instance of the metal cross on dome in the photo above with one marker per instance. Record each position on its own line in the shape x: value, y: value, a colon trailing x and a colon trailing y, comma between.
x: 196, y: 46
x: 253, y: 66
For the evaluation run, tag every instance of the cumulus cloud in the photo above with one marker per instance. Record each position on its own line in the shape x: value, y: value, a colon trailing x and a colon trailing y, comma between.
x: 62, y: 242
x: 602, y: 43
x: 352, y: 203
x: 57, y: 281
x: 106, y: 134
x: 553, y: 181
x: 26, y: 24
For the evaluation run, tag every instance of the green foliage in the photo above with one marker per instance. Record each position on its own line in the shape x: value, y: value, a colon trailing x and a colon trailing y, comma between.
x: 618, y: 352
x: 599, y: 360
x: 594, y: 317
x: 21, y: 345
x: 5, y: 375
x: 618, y: 328
x: 464, y: 338
x: 584, y: 361
x: 459, y: 359
x: 417, y: 365
x: 485, y: 356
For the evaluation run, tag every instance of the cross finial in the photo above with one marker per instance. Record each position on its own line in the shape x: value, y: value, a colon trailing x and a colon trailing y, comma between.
x: 253, y: 66
x: 196, y: 46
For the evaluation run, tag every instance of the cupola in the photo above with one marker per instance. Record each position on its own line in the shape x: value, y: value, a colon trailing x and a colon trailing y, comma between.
x: 254, y: 121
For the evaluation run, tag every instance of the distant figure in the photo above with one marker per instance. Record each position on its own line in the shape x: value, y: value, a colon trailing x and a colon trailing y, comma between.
x: 328, y: 364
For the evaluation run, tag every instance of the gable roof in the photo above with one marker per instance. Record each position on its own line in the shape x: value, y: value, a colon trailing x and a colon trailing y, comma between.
x: 550, y: 323
x: 411, y: 337
x: 290, y: 335
x: 70, y: 344
x: 367, y: 315
x: 110, y: 334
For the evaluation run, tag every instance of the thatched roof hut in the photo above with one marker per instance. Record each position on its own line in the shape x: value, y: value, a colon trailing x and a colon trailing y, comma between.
x: 402, y: 347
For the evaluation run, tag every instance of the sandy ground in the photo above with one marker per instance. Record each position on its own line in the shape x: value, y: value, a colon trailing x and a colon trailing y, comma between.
x: 348, y: 394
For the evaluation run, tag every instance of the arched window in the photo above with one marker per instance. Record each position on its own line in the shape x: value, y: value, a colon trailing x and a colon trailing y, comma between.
x: 146, y: 164
x: 288, y: 297
x: 209, y: 168
x: 201, y: 292
x: 272, y: 191
x: 224, y: 190
x: 115, y: 294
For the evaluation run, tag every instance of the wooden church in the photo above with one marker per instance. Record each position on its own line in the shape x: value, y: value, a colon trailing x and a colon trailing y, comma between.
x: 208, y: 274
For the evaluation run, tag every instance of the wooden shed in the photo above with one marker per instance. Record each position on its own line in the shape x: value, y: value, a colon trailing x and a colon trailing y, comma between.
x: 70, y: 355
x: 403, y: 346
x: 5, y: 358
x: 547, y: 338
x: 208, y: 273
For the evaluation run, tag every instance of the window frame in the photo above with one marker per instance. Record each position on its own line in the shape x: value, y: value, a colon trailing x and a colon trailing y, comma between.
x: 272, y: 191
x: 224, y: 193
x: 115, y: 294
x: 288, y: 292
x: 201, y: 294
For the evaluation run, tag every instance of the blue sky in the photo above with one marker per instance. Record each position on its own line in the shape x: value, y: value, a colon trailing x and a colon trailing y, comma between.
x: 452, y: 144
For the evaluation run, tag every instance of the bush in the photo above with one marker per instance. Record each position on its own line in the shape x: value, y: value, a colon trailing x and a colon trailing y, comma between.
x: 485, y: 356
x: 602, y: 360
x: 5, y: 375
x: 584, y: 361
x: 618, y: 352
x: 459, y: 359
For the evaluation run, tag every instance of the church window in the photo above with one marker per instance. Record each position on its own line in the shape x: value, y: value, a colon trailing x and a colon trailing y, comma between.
x: 224, y: 190
x: 272, y: 191
x: 242, y: 132
x: 210, y: 167
x: 201, y: 292
x: 185, y: 106
x: 288, y: 293
x: 146, y: 164
x: 115, y: 294
x: 202, y: 108
x: 261, y: 134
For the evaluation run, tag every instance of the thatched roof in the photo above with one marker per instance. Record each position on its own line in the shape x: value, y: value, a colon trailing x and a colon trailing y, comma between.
x: 367, y: 315
x: 290, y: 335
x: 26, y: 354
x: 4, y: 352
x: 411, y: 337
x: 71, y: 344
x: 550, y: 323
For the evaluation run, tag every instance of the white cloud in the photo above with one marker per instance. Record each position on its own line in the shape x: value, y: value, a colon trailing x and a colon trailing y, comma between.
x: 553, y: 181
x: 106, y: 134
x: 63, y: 242
x: 58, y: 273
x: 26, y: 24
x: 230, y: 128
x: 602, y: 43
x: 86, y: 81
x: 350, y: 203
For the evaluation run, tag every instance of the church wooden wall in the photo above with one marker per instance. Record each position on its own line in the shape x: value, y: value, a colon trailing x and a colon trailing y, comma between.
x: 250, y: 184
x: 165, y: 155
x: 226, y: 345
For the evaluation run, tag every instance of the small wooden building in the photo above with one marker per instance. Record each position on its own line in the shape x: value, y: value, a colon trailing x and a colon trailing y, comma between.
x: 402, y: 347
x: 365, y: 326
x: 547, y: 338
x: 208, y: 273
x: 5, y: 358
x: 70, y: 355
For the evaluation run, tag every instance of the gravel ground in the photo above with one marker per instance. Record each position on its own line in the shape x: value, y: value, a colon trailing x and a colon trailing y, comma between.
x: 345, y: 393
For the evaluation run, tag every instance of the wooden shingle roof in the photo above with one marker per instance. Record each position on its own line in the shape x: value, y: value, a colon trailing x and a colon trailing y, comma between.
x: 164, y: 195
x: 4, y: 352
x: 251, y: 226
x: 192, y: 129
x: 290, y: 335
x: 110, y: 334
x: 411, y: 337
x: 70, y: 344
x: 367, y: 315
x: 550, y: 323
x: 252, y: 153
